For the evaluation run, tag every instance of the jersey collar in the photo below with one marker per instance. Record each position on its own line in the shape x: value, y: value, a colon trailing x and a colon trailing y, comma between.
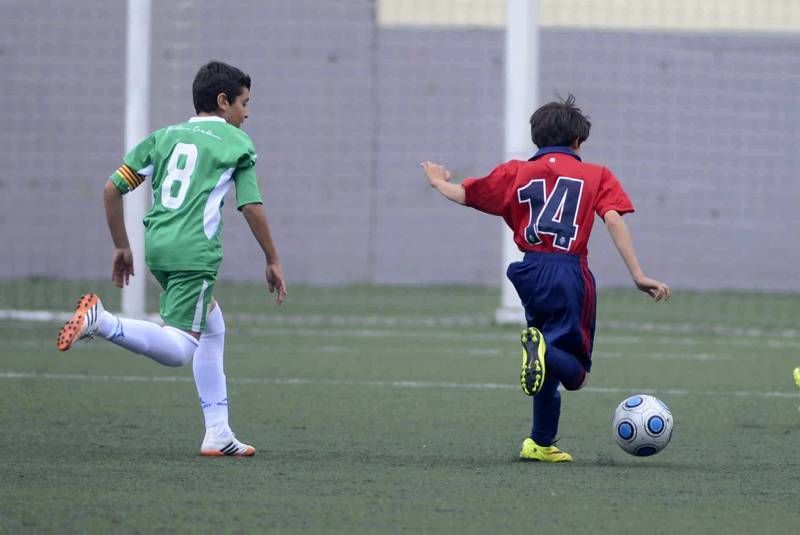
x: 559, y: 150
x: 206, y: 118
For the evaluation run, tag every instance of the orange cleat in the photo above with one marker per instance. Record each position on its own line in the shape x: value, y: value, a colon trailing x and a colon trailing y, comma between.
x: 83, y: 324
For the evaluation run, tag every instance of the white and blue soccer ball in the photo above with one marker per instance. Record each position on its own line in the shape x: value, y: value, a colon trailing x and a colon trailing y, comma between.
x: 642, y: 425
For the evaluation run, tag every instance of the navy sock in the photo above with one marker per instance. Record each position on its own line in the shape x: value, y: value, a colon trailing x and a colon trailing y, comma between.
x: 561, y: 367
x: 546, y: 411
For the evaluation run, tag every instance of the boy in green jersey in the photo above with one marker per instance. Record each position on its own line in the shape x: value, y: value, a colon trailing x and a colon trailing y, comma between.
x: 191, y: 166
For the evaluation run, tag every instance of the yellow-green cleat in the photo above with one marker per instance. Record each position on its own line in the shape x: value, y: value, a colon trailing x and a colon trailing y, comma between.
x: 531, y: 451
x: 533, y: 361
x: 796, y: 375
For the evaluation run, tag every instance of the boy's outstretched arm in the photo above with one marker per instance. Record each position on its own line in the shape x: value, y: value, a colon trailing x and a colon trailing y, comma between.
x: 622, y: 239
x: 122, y: 263
x: 439, y: 178
x: 257, y: 219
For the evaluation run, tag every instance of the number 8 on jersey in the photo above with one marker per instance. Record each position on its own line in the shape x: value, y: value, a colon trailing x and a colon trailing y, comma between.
x: 179, y: 169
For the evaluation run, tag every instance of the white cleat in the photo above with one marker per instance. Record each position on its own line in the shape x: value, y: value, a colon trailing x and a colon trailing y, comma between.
x: 83, y: 324
x: 224, y: 444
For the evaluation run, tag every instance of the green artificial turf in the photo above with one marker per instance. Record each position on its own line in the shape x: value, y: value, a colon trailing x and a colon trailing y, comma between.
x: 398, y: 409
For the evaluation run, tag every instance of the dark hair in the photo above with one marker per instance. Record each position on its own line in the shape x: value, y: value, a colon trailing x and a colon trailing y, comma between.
x: 559, y: 124
x: 213, y: 78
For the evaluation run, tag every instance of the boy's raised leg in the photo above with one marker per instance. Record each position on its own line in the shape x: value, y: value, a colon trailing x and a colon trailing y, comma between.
x: 166, y: 345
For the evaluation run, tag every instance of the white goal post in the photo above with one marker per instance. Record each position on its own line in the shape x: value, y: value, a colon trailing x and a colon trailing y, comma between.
x: 522, y: 88
x: 137, y: 111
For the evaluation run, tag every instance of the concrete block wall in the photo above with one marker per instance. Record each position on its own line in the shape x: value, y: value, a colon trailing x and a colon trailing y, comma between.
x: 702, y: 129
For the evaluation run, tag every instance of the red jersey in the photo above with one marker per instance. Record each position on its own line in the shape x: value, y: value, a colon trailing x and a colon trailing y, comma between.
x: 549, y: 201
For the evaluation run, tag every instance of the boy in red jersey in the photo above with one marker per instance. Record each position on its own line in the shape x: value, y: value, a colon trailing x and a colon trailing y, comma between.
x: 550, y: 202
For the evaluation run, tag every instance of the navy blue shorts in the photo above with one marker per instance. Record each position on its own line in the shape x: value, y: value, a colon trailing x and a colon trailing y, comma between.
x: 559, y: 296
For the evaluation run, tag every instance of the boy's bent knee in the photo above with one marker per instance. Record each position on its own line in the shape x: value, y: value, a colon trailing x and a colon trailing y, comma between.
x: 578, y: 384
x: 182, y: 353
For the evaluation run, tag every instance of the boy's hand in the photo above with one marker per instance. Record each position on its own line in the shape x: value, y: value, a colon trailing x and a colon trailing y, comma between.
x: 656, y: 289
x: 122, y: 267
x: 275, y: 281
x: 439, y: 178
x: 435, y: 173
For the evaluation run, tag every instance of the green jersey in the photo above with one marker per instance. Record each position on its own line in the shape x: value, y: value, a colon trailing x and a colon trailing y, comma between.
x: 192, y: 165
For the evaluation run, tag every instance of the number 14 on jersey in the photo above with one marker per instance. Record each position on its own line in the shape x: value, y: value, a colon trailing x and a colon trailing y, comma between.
x: 555, y: 214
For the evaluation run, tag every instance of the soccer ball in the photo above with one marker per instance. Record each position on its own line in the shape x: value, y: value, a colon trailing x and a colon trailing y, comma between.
x: 642, y: 425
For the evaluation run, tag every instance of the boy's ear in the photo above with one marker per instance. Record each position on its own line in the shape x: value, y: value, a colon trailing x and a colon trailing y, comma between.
x: 222, y: 101
x: 576, y: 144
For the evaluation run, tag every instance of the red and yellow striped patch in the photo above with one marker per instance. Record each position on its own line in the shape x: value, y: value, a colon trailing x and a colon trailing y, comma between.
x: 131, y: 177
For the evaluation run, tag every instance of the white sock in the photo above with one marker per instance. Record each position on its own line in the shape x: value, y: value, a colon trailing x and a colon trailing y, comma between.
x: 209, y: 373
x: 166, y: 345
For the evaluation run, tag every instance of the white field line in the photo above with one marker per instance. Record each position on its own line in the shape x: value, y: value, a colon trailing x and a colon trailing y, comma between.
x: 9, y: 375
x: 475, y: 352
x: 496, y: 352
x: 658, y: 356
x: 315, y: 320
x: 498, y: 336
x: 603, y: 339
x: 47, y: 315
x: 472, y: 352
